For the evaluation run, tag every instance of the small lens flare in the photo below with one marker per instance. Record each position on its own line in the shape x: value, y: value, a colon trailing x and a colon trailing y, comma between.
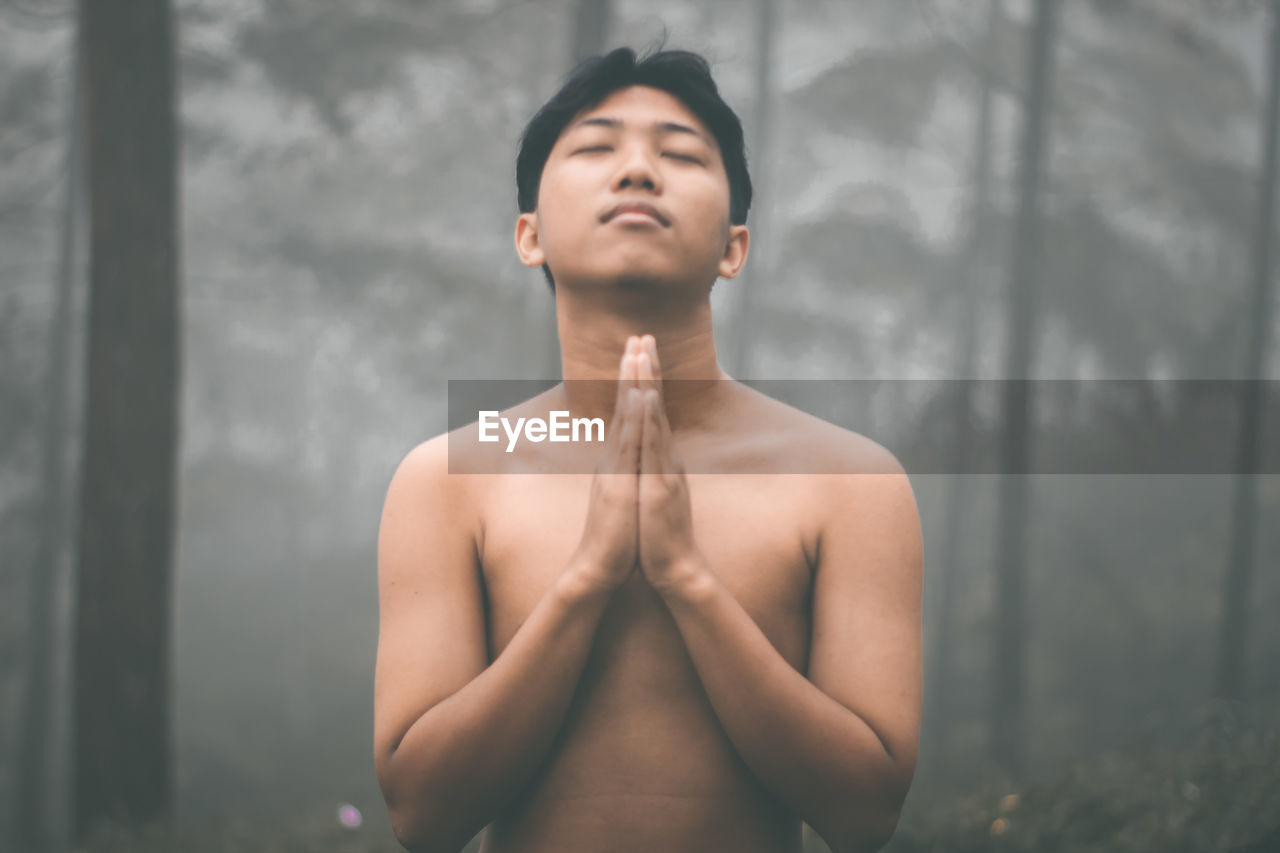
x: 349, y: 816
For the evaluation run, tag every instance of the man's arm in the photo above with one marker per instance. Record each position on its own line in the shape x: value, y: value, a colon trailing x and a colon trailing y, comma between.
x: 840, y: 746
x: 455, y: 738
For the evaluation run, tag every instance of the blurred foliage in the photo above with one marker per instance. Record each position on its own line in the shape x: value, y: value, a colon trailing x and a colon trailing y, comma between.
x: 882, y: 94
x: 1217, y: 791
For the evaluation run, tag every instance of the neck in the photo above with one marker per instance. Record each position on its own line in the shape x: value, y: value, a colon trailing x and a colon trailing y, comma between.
x: 594, y: 327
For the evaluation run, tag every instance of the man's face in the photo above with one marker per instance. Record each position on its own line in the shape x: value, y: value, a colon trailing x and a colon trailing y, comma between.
x: 640, y: 148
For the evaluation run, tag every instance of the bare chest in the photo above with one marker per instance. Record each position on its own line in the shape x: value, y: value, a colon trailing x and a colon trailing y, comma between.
x: 750, y: 529
x: 642, y: 761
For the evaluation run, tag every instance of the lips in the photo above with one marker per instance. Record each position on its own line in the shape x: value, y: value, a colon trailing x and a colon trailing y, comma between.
x: 636, y: 207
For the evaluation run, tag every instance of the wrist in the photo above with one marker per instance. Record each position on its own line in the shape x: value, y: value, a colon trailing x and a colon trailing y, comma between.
x: 686, y: 580
x: 583, y: 581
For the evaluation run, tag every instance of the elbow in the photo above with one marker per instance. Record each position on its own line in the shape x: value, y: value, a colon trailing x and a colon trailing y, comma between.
x: 417, y: 835
x: 876, y: 833
x: 424, y: 817
x: 405, y: 825
x: 420, y: 829
x: 867, y: 836
x: 869, y: 825
x: 409, y: 835
x: 412, y: 833
x: 417, y: 830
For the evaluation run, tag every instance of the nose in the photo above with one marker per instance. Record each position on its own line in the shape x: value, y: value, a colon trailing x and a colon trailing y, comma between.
x: 638, y: 171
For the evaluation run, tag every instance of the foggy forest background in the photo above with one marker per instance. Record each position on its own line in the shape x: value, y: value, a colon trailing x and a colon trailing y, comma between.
x: 947, y: 189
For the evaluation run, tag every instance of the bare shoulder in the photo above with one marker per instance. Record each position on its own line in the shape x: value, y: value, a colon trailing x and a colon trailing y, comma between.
x: 432, y: 467
x: 809, y: 445
x: 428, y: 501
x: 428, y: 460
x: 849, y: 478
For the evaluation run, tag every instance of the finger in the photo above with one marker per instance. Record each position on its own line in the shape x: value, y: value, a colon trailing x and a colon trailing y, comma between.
x: 628, y: 352
x: 624, y: 371
x: 650, y: 344
x: 644, y: 370
x: 627, y: 367
x: 624, y: 382
x: 628, y: 461
x: 651, y: 448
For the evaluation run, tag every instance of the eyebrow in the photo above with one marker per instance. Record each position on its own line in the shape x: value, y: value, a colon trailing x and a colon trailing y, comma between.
x: 658, y: 126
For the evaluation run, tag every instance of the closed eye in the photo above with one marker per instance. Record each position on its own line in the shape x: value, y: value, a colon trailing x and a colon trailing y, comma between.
x: 688, y: 158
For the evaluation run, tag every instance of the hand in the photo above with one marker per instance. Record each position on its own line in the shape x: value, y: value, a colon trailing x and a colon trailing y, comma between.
x: 668, y: 554
x: 608, y: 552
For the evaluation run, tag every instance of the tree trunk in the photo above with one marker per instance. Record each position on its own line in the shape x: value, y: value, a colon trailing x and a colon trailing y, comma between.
x: 1234, y: 628
x: 591, y: 22
x: 759, y: 269
x: 122, y: 767
x: 35, y: 797
x: 1008, y: 724
x: 965, y: 357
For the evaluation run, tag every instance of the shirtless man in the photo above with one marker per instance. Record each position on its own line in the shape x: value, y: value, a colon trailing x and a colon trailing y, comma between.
x: 649, y: 657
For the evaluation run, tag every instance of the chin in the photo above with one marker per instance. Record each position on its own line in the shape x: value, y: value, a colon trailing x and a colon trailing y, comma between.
x: 634, y: 277
x: 640, y: 281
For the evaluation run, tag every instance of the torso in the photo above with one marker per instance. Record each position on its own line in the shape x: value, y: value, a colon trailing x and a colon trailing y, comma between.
x: 641, y: 761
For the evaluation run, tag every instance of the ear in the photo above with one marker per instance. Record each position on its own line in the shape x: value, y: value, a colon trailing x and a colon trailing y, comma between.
x: 735, y: 252
x: 528, y: 244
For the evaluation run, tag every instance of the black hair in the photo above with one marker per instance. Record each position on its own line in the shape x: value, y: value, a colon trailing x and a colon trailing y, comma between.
x: 681, y: 73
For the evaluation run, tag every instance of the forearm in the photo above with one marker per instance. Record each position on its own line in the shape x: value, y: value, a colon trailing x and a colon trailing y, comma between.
x: 816, y: 755
x: 469, y: 754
